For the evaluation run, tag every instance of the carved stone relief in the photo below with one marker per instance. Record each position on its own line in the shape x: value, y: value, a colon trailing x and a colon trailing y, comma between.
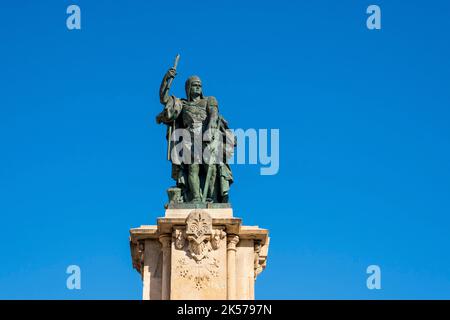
x: 198, y: 241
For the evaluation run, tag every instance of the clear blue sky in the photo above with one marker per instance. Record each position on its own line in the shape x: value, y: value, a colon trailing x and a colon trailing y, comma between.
x: 364, y: 135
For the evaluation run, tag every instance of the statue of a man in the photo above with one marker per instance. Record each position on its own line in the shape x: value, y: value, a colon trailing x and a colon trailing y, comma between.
x: 196, y: 180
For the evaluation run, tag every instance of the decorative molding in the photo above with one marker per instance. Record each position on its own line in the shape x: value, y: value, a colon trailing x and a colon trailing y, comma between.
x: 199, y: 232
x: 141, y: 251
x: 136, y: 255
x: 179, y: 237
x: 216, y: 238
x: 259, y: 260
x: 198, y: 240
x: 199, y: 224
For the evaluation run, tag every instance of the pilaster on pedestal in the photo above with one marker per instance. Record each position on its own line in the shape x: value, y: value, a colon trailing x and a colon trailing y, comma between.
x: 232, y: 241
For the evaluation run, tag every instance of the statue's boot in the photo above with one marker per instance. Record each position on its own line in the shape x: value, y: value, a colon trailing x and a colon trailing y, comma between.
x: 196, y: 198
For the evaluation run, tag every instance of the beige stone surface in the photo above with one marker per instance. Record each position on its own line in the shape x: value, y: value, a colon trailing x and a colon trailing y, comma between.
x: 152, y: 270
x: 219, y: 213
x: 199, y: 254
x: 245, y: 270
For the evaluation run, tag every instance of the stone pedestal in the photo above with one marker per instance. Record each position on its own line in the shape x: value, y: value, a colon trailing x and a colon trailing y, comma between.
x: 199, y: 254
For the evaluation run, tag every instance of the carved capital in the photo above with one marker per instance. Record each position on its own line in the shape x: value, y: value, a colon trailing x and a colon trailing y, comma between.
x: 165, y: 240
x: 232, y: 241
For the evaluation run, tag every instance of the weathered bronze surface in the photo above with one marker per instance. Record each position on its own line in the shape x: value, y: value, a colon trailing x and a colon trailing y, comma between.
x: 197, y: 181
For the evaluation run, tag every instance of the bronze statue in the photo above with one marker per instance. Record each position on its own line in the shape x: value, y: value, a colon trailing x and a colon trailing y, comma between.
x: 205, y: 131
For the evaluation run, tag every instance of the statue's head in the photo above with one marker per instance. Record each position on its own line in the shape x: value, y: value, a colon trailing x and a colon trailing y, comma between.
x: 193, y: 88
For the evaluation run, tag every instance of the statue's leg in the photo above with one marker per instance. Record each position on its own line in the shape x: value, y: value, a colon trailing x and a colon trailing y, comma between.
x: 224, y: 178
x: 212, y: 183
x: 225, y: 186
x: 194, y: 182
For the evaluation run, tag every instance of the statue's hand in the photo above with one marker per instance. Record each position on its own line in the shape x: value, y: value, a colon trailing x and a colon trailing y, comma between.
x: 171, y: 73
